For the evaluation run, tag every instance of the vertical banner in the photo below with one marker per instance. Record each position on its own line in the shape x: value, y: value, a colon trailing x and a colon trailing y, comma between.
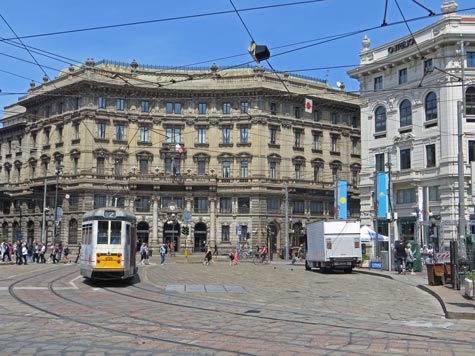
x: 420, y: 203
x: 342, y: 195
x: 382, y: 195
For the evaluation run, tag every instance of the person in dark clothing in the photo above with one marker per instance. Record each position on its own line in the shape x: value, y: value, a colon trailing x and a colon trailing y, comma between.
x: 400, y: 254
x: 79, y: 253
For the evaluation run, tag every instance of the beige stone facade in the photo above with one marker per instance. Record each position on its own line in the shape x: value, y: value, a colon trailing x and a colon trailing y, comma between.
x: 212, y: 149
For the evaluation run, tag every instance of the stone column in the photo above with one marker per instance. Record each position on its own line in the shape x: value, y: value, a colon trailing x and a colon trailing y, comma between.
x: 212, y: 222
x: 155, y: 221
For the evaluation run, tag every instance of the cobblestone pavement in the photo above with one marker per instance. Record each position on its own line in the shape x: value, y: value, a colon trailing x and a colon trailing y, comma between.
x: 193, y: 309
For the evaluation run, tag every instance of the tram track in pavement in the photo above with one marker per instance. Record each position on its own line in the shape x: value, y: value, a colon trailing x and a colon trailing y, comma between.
x: 294, y: 318
x: 184, y: 303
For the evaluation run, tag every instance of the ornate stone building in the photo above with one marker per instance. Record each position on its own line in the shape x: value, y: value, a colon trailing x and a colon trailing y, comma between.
x: 410, y: 89
x: 214, y: 150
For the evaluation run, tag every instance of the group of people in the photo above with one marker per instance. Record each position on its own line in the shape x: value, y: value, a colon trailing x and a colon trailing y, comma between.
x: 404, y: 256
x: 21, y: 252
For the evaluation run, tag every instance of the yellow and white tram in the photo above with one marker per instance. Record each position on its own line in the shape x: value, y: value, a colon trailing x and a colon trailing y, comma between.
x: 108, y: 244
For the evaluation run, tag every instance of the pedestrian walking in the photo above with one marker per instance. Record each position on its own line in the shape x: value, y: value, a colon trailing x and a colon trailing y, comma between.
x: 142, y: 253
x: 208, y: 257
x: 36, y: 253
x: 24, y: 253
x: 231, y: 257
x: 216, y: 250
x: 410, y: 259
x: 66, y: 254
x: 163, y: 252
x: 79, y: 253
x: 263, y: 253
x: 236, y: 257
x: 42, y: 253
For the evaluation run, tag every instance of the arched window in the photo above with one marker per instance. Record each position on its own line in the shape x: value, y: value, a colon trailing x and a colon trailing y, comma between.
x: 405, y: 113
x: 470, y: 101
x: 73, y: 231
x: 431, y: 106
x: 380, y: 119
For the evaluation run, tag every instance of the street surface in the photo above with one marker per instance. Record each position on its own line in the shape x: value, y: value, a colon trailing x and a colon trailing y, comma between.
x: 192, y: 309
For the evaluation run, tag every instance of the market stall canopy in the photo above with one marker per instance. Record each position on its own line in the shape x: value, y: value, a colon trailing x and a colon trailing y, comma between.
x: 368, y: 235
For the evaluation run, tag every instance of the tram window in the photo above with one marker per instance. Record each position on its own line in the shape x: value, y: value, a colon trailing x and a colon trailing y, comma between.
x: 115, y: 232
x: 102, y: 227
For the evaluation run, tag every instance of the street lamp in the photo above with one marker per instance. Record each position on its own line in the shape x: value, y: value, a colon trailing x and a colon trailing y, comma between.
x: 58, y: 172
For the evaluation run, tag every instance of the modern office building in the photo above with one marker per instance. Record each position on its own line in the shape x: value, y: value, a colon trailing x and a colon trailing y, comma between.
x: 201, y: 156
x: 411, y: 91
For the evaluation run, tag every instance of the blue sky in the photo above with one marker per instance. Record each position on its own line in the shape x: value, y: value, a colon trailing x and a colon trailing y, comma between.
x: 198, y: 40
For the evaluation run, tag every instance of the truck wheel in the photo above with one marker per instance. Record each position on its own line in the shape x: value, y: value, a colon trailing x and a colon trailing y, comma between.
x: 348, y: 270
x: 307, y: 266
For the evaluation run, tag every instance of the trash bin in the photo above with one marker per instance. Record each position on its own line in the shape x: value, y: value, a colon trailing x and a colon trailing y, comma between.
x: 385, y: 260
x: 435, y: 273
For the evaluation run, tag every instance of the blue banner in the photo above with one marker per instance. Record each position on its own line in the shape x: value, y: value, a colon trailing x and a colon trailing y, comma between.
x: 382, y: 195
x: 342, y: 199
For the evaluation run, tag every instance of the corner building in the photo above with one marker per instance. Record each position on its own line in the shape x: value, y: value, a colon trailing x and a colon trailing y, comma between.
x: 410, y: 90
x: 210, y: 150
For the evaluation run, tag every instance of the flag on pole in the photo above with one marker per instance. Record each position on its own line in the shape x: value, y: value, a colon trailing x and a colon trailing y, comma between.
x: 178, y: 148
x: 308, y: 105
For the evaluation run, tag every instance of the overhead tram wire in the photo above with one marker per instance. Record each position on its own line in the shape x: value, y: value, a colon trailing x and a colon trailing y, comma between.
x: 176, y: 18
x: 24, y: 46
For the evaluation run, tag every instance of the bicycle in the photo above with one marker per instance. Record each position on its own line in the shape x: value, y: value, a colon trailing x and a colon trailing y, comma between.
x: 257, y: 259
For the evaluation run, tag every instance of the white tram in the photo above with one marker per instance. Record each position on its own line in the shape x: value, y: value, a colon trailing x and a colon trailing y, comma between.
x: 108, y: 244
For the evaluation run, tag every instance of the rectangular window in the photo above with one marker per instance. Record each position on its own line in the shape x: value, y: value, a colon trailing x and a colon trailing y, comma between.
x: 272, y: 170
x: 143, y: 166
x: 405, y: 158
x: 297, y: 112
x: 380, y: 164
x: 226, y: 135
x: 119, y: 132
x: 100, y: 202
x: 298, y: 206
x: 316, y: 144
x: 101, y: 130
x: 118, y: 167
x: 120, y: 104
x: 434, y: 194
x: 102, y: 103
x: 244, y: 107
x: 317, y: 173
x: 144, y: 134
x: 226, y: 169
x: 355, y: 146
x: 142, y: 204
x: 403, y: 76
x: 470, y: 59
x: 334, y: 144
x: 428, y: 67
x: 76, y: 132
x: 201, y: 135
x: 244, y: 169
x: 297, y: 138
x: 173, y: 135
x: 225, y: 205
x: 201, y: 168
x: 273, y: 108
x: 77, y: 103
x: 173, y: 108
x: 273, y: 205
x: 226, y: 108
x: 172, y: 166
x: 378, y: 83
x: 200, y: 204
x: 145, y: 106
x: 202, y: 108
x: 273, y: 135
x: 316, y: 116
x: 430, y: 156
x: 334, y: 119
x: 405, y: 196
x: 243, y: 205
x: 298, y: 171
x: 244, y: 135
x: 471, y: 151
x: 316, y: 207
x: 225, y: 233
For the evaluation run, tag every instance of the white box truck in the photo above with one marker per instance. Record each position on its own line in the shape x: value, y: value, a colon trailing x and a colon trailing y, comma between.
x: 333, y: 245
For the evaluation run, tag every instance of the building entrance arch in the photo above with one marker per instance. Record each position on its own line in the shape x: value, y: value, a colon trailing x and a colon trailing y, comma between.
x: 171, y: 233
x: 143, y: 233
x: 200, y: 234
